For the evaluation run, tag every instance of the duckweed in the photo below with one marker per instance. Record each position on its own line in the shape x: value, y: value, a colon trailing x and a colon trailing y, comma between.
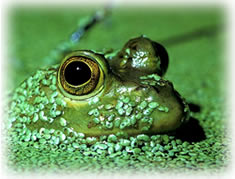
x: 96, y: 120
x: 63, y: 122
x: 128, y: 116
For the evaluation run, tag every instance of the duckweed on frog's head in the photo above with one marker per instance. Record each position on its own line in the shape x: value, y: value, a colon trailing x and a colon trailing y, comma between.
x: 88, y: 95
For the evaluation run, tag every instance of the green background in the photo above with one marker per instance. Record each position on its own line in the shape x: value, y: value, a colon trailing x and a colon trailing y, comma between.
x: 197, y: 58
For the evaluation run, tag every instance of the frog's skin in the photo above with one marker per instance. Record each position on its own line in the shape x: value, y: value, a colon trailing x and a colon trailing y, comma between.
x: 121, y: 102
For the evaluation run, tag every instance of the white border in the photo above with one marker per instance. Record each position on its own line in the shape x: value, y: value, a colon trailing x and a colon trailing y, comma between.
x: 230, y: 75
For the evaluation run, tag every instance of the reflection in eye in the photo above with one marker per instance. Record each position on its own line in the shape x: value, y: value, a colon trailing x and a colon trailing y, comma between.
x: 79, y: 75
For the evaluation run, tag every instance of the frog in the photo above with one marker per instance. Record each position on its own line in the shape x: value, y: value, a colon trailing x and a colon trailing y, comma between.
x: 92, y: 94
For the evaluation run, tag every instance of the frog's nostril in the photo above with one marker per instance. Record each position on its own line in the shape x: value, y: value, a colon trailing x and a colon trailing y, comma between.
x: 121, y: 56
x: 134, y: 47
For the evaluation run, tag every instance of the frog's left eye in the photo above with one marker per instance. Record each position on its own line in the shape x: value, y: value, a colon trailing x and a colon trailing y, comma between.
x: 81, y: 74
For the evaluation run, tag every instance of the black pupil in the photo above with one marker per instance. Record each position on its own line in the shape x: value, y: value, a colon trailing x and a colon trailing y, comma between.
x: 77, y: 73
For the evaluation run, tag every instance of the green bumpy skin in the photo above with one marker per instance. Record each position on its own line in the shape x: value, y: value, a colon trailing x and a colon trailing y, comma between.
x: 126, y: 104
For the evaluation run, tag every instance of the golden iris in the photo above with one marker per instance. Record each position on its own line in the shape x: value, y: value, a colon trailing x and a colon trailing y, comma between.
x: 79, y: 74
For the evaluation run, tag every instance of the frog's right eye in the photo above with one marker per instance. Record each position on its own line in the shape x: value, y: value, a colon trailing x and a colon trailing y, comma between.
x: 81, y: 74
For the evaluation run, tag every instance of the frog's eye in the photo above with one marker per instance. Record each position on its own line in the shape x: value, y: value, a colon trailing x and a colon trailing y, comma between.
x: 81, y: 74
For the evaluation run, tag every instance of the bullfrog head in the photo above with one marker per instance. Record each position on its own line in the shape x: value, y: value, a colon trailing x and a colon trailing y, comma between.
x: 89, y: 95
